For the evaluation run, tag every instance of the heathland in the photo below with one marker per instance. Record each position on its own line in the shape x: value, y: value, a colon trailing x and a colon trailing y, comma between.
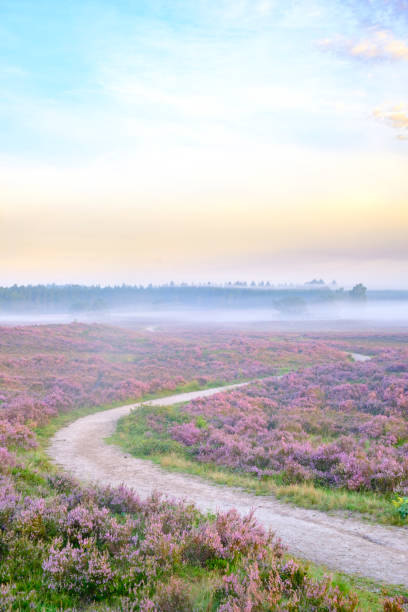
x: 64, y: 545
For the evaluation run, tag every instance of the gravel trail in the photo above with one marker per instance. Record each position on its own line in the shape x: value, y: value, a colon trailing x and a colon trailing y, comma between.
x: 349, y: 545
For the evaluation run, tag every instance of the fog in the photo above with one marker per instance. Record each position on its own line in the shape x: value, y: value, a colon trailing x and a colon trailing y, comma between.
x: 371, y: 314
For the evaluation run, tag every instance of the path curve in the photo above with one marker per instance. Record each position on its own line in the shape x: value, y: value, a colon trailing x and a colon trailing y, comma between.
x: 352, y: 546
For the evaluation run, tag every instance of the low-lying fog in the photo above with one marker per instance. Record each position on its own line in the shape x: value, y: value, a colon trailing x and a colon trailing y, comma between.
x: 339, y: 315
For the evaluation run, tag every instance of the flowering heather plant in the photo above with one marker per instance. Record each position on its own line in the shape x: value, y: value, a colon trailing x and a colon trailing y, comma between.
x: 229, y: 537
x: 7, y: 460
x: 9, y: 499
x: 16, y: 435
x: 394, y: 604
x: 82, y: 569
x: 256, y: 586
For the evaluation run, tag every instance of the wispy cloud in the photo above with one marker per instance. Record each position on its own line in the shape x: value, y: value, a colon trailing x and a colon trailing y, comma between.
x: 396, y: 117
x: 377, y: 45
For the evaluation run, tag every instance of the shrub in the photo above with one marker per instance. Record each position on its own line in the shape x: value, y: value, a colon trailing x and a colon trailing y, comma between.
x: 401, y: 504
x: 83, y: 569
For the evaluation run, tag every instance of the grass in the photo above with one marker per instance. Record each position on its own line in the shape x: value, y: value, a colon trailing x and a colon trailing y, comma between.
x: 173, y: 456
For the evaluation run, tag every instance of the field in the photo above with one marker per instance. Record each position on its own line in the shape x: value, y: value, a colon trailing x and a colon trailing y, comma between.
x: 68, y: 546
x: 332, y: 436
x: 48, y: 369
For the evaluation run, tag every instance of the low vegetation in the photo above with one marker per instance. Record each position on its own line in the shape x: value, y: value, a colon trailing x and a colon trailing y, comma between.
x: 65, y: 546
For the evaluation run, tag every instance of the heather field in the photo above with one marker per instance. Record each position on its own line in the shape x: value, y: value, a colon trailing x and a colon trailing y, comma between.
x: 65, y: 546
x: 332, y: 436
x: 48, y: 369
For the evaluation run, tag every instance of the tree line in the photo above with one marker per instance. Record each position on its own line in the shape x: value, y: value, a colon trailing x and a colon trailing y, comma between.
x: 72, y: 298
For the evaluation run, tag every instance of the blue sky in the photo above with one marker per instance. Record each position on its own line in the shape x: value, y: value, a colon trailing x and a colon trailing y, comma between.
x: 237, y: 116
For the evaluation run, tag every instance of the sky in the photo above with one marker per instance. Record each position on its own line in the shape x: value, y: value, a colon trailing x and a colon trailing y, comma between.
x: 196, y: 140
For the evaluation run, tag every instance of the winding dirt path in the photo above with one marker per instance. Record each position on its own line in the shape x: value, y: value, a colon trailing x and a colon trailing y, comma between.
x: 348, y: 545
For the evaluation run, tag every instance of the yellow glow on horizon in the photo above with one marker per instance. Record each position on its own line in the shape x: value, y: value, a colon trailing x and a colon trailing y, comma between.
x: 108, y: 215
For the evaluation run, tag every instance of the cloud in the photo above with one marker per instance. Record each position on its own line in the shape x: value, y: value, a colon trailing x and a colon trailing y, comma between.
x: 396, y: 117
x: 378, y: 45
x: 376, y: 13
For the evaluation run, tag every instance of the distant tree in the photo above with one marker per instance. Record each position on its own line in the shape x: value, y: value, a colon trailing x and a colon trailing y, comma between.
x: 358, y: 292
x: 315, y: 281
